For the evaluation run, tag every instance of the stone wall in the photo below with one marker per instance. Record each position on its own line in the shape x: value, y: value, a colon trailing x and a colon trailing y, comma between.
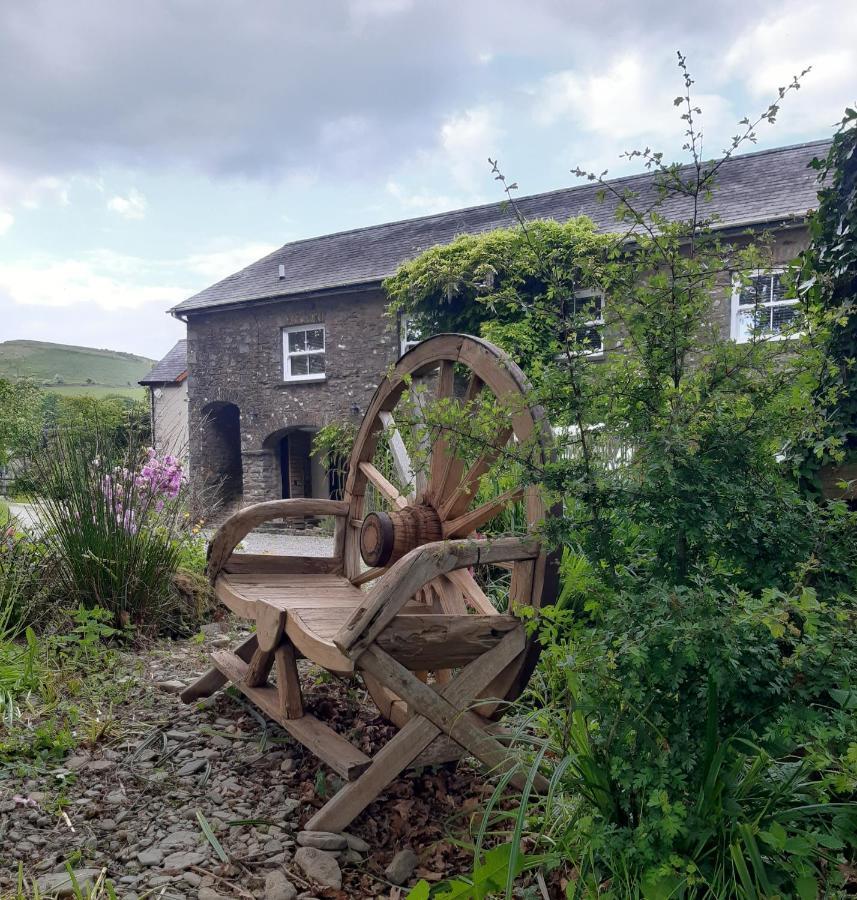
x: 236, y: 356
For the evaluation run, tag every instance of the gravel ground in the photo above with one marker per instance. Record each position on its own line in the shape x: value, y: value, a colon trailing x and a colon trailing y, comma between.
x: 286, y: 544
x: 255, y: 542
x: 124, y: 804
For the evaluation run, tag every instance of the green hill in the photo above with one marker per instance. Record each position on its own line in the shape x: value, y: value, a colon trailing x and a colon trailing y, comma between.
x: 74, y: 370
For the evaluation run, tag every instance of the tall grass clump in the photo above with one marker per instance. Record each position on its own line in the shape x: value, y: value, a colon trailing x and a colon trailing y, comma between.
x: 22, y: 567
x: 112, y: 522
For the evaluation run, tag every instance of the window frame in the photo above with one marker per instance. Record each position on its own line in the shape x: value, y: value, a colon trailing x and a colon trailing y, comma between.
x: 736, y: 332
x: 404, y: 344
x: 597, y: 323
x: 287, y: 355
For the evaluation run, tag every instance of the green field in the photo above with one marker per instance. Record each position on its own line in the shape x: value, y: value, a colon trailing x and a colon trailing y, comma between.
x: 96, y: 390
x: 74, y: 371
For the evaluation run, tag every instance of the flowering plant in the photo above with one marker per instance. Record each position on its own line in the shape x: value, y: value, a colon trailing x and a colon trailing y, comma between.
x: 116, y: 524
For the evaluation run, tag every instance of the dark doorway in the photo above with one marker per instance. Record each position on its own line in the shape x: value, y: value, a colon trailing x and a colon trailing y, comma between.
x: 296, y: 474
x: 221, y: 458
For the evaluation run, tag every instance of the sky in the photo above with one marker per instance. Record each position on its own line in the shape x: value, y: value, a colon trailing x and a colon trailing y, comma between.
x: 149, y: 149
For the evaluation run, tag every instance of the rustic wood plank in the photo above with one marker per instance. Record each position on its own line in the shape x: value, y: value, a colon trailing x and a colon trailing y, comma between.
x: 332, y: 749
x: 270, y: 623
x: 450, y: 596
x: 385, y: 488
x: 213, y: 680
x: 259, y: 668
x: 444, y: 749
x: 238, y: 526
x: 474, y: 519
x: 416, y: 735
x: 428, y: 642
x: 410, y: 573
x: 460, y: 724
x: 288, y: 682
x: 269, y: 563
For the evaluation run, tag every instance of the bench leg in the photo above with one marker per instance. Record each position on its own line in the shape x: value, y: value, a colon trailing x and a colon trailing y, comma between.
x: 214, y: 679
x: 399, y: 752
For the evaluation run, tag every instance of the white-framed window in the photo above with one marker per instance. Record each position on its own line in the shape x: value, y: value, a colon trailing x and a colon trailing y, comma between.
x: 303, y: 353
x: 760, y: 308
x: 589, y: 315
x: 409, y: 336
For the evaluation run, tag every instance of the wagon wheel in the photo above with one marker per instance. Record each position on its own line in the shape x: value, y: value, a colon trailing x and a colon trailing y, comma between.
x: 412, y: 453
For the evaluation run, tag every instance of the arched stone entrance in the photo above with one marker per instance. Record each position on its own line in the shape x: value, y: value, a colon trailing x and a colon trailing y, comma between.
x: 296, y: 472
x: 219, y: 465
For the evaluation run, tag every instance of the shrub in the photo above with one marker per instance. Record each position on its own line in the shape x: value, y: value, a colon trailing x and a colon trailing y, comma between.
x: 112, y: 523
x: 699, y: 740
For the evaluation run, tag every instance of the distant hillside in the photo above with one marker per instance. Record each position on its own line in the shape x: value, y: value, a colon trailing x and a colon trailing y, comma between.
x: 73, y: 370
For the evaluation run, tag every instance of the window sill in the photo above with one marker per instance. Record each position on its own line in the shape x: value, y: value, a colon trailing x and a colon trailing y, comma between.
x: 290, y: 382
x: 774, y: 338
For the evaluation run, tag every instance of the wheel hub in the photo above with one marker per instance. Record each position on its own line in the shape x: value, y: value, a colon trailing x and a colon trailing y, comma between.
x: 387, y: 537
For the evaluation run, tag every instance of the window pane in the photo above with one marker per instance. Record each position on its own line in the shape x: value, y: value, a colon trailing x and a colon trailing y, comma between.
x: 778, y: 291
x: 781, y: 317
x: 755, y: 290
x: 315, y: 339
x: 744, y: 326
x: 588, y: 306
x: 316, y: 364
x: 300, y: 365
x: 589, y: 339
x: 297, y: 341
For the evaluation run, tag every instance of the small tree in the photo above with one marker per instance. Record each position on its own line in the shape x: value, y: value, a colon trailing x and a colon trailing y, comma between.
x: 828, y: 287
x: 703, y: 418
x: 20, y: 418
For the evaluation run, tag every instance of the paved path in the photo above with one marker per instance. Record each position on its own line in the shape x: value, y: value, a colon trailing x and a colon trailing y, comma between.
x: 25, y: 514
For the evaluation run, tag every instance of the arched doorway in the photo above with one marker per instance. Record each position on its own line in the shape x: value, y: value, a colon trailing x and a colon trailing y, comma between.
x: 220, y: 463
x: 301, y: 473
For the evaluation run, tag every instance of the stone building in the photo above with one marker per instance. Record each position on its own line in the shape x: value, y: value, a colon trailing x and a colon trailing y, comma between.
x: 168, y: 402
x: 300, y: 338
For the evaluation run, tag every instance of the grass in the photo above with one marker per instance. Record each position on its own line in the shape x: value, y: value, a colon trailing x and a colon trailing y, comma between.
x: 99, y: 391
x: 43, y: 362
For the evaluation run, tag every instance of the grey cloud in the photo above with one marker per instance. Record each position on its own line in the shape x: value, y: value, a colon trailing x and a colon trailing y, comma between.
x: 263, y: 88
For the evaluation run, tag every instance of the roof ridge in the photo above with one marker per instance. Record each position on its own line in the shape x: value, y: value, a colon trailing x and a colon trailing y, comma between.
x: 538, y: 195
x: 764, y: 184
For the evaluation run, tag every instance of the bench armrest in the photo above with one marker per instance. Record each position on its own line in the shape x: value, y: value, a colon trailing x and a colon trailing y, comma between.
x: 414, y: 570
x: 240, y: 524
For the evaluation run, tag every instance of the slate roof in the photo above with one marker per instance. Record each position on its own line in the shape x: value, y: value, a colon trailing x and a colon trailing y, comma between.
x: 172, y: 368
x: 762, y: 187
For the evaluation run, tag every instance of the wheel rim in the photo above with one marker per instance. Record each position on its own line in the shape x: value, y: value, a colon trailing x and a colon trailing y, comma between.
x: 435, y: 486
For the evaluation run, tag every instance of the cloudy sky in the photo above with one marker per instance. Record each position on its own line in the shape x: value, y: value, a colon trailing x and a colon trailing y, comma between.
x: 149, y: 149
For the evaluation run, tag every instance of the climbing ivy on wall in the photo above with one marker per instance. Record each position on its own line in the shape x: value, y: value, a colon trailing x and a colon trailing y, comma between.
x: 828, y: 285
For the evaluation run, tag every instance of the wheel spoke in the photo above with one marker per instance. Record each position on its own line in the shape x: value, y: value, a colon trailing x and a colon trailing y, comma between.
x: 476, y: 518
x: 401, y: 457
x: 473, y: 594
x: 368, y: 575
x: 385, y: 488
x: 450, y: 596
x: 446, y: 468
x: 458, y: 501
x: 474, y: 386
x: 445, y: 379
x: 420, y: 431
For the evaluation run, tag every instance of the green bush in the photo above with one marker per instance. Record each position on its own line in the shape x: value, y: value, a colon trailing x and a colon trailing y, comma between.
x: 702, y: 741
x: 112, y: 523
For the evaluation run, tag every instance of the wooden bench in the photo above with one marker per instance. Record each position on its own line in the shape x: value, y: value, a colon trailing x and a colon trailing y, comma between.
x: 437, y: 657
